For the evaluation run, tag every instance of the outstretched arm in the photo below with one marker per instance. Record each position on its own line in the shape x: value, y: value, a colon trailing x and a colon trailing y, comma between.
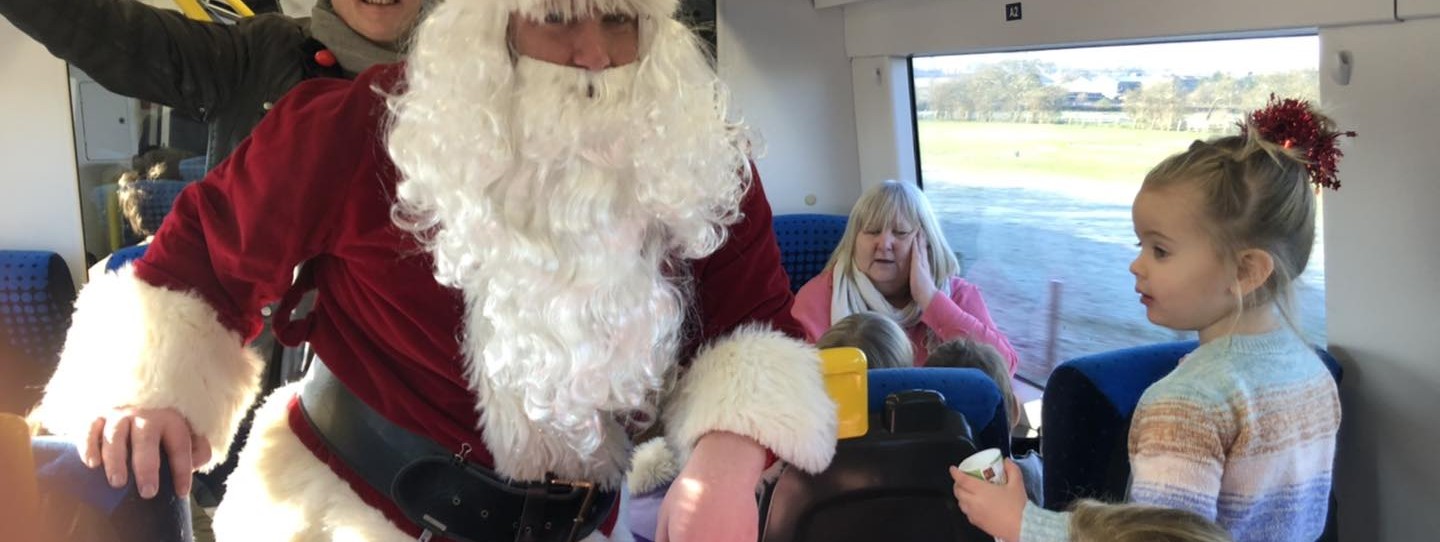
x: 139, y: 51
x: 754, y: 387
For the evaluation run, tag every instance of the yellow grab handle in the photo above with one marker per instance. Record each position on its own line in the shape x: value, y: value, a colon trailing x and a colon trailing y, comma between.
x: 192, y: 10
x: 240, y: 7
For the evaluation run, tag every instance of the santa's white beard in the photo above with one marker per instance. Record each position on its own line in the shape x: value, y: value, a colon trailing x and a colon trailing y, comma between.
x: 553, y: 198
x: 571, y: 320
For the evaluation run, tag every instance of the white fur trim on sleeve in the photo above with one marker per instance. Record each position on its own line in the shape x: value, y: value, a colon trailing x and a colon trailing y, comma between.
x: 760, y: 384
x: 137, y: 345
x: 652, y: 465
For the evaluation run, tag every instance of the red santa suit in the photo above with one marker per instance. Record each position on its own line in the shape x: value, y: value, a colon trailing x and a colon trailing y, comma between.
x: 314, y: 185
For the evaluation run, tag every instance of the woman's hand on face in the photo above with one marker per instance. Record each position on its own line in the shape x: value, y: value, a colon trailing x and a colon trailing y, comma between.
x: 922, y: 283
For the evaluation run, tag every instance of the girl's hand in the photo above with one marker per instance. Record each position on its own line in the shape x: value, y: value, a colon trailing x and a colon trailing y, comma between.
x: 713, y: 499
x: 922, y: 283
x: 995, y: 509
x: 129, y: 436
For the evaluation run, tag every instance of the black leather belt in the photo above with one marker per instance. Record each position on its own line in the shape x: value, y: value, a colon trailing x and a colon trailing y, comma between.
x: 437, y: 488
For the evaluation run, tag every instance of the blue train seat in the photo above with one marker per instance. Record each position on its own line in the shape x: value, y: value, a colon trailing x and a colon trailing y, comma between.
x: 36, y: 298
x: 1089, y: 402
x: 806, y: 241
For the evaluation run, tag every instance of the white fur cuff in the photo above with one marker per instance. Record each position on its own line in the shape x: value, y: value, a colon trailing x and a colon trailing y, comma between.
x: 652, y: 465
x: 760, y: 384
x: 137, y: 345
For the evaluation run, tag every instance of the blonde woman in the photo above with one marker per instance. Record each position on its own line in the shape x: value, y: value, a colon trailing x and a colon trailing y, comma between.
x: 894, y: 260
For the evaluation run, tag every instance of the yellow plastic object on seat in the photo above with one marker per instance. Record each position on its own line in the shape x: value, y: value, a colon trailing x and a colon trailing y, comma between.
x: 847, y: 382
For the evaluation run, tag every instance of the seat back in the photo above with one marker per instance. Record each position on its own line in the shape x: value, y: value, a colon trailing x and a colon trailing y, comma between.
x: 124, y: 256
x: 159, y: 198
x: 882, y: 486
x: 79, y: 498
x: 36, y: 298
x: 1089, y: 402
x: 967, y: 391
x: 192, y: 168
x: 806, y: 241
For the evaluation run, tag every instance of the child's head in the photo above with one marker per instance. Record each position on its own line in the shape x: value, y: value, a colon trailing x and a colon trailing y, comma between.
x: 965, y: 353
x: 159, y: 163
x: 1092, y: 521
x: 1227, y: 225
x: 879, y: 337
x: 132, y: 199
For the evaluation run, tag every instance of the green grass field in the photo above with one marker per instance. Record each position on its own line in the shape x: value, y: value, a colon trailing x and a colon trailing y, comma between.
x: 958, y: 150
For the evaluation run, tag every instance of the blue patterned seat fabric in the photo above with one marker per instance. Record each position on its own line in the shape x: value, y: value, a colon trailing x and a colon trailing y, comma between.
x: 36, y: 297
x: 1089, y: 402
x: 806, y: 241
x: 967, y: 391
x: 159, y: 198
x: 192, y: 169
x: 125, y: 516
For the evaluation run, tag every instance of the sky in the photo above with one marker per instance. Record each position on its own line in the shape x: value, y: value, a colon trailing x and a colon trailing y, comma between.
x: 1262, y: 55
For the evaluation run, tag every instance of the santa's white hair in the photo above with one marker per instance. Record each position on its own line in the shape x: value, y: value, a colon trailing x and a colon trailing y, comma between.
x: 561, y: 202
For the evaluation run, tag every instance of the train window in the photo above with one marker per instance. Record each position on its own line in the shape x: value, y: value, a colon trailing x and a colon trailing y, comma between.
x: 1032, y: 158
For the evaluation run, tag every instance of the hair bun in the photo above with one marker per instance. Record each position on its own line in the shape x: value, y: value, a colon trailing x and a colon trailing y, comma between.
x: 1292, y: 123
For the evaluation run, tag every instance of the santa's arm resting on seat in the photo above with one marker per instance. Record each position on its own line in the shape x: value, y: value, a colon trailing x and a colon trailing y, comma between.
x: 109, y: 391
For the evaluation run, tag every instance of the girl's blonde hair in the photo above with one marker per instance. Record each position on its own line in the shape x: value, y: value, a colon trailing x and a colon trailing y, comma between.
x: 1092, y: 521
x: 132, y: 199
x: 966, y: 353
x: 1256, y: 195
x: 879, y: 337
x: 877, y: 209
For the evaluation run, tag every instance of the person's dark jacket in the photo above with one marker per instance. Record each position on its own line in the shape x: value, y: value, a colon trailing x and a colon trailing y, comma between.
x: 225, y: 75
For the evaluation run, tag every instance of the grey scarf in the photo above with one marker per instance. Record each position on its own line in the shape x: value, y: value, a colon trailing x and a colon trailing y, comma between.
x: 355, y: 53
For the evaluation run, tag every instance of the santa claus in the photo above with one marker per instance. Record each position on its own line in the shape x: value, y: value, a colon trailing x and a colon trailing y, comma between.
x: 539, y: 235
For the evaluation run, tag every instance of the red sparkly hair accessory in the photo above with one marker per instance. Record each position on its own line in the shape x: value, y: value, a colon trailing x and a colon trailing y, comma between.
x: 1291, y: 123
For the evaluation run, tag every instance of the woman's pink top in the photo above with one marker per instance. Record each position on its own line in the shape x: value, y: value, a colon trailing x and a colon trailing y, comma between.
x: 962, y: 315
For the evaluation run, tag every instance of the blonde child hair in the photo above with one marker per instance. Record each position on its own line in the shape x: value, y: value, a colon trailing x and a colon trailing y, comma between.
x: 965, y: 353
x: 1093, y: 521
x: 1256, y: 195
x: 879, y: 337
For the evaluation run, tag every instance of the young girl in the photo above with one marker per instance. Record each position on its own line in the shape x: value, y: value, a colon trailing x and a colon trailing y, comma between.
x: 1243, y: 431
x: 880, y: 338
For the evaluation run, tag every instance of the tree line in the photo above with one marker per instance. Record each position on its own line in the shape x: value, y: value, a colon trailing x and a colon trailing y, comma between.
x: 1031, y: 91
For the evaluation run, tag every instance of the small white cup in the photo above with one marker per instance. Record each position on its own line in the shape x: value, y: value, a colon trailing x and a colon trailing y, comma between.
x: 987, y: 465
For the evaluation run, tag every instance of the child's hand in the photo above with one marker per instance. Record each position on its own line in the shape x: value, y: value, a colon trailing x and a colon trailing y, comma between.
x: 922, y: 283
x: 997, y: 510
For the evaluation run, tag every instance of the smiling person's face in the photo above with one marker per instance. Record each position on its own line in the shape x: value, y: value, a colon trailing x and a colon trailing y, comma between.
x: 380, y: 21
x: 883, y: 254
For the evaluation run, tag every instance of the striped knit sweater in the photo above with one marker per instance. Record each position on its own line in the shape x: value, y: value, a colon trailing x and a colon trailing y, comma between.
x: 1242, y: 432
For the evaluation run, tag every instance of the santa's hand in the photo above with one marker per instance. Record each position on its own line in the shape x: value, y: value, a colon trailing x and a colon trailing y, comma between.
x: 714, y: 496
x: 136, y: 436
x: 995, y: 509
